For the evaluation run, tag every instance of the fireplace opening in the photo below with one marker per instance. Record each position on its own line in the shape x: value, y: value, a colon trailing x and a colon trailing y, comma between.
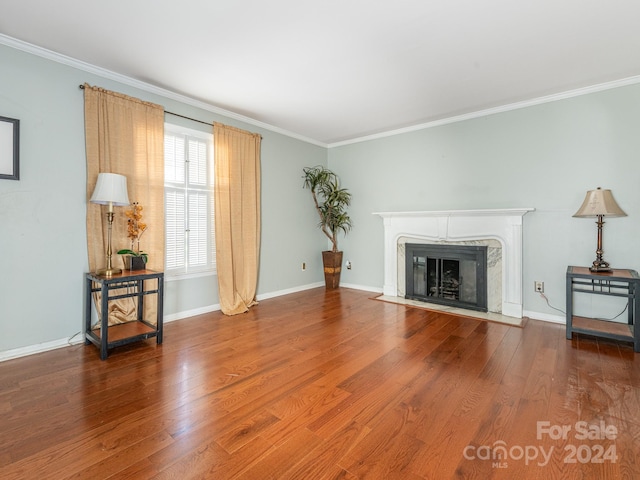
x: 454, y: 275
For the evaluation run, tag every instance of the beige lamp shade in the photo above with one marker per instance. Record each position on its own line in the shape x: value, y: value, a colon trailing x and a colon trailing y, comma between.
x: 599, y: 202
x: 111, y: 189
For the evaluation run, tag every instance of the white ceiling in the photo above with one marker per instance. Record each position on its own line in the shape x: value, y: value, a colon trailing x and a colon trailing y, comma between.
x: 335, y: 70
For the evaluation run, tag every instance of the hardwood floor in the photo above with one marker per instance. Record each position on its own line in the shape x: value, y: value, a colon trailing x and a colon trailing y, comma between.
x: 327, y: 385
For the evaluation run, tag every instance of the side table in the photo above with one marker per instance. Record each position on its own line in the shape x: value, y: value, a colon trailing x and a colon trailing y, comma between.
x: 617, y: 283
x: 137, y: 285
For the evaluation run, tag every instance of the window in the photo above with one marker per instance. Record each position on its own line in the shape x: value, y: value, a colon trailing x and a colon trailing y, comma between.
x: 189, y: 213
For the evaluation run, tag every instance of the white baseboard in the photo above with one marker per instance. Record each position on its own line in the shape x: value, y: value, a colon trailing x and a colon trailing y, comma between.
x: 545, y: 317
x: 279, y: 293
x: 366, y: 288
x: 190, y: 313
x: 215, y: 308
x: 40, y: 347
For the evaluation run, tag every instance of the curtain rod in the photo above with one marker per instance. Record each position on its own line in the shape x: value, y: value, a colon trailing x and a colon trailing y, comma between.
x: 176, y: 114
x: 189, y: 118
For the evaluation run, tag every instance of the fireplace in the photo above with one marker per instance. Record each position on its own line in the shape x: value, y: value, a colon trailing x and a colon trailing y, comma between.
x: 454, y: 275
x: 503, y: 226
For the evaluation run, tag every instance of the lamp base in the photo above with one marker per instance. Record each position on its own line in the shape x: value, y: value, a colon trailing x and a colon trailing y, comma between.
x: 108, y: 272
x: 600, y: 266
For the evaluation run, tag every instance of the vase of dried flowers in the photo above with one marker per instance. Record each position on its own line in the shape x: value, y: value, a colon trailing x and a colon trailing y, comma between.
x: 134, y: 258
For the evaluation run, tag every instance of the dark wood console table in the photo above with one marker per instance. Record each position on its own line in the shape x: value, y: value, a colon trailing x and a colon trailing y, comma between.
x: 618, y: 283
x: 136, y: 285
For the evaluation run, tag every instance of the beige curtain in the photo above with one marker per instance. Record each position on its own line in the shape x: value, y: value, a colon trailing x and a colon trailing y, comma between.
x: 125, y: 135
x: 237, y: 216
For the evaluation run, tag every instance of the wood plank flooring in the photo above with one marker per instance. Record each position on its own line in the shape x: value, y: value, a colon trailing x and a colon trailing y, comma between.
x: 327, y: 385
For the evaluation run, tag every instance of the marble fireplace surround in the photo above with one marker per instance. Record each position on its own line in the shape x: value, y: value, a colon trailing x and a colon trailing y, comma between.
x: 503, y: 225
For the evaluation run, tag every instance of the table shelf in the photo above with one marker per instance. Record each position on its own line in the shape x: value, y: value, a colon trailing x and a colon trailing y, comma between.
x: 127, y: 330
x: 603, y: 328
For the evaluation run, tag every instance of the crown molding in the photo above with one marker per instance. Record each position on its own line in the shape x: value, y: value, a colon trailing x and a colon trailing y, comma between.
x: 102, y: 72
x: 147, y: 87
x: 491, y: 111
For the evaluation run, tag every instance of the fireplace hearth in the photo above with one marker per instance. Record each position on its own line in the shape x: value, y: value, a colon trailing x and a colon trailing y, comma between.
x: 454, y: 275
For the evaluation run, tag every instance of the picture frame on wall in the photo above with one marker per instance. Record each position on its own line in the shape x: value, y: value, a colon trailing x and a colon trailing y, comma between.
x: 9, y: 148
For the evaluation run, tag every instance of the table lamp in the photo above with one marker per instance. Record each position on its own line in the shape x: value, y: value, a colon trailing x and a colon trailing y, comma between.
x: 111, y: 190
x: 599, y: 203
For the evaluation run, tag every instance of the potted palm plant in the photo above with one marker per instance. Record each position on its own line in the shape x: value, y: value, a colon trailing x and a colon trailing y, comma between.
x: 331, y: 202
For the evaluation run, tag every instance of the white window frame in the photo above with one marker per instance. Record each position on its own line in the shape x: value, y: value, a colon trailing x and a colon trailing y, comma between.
x: 185, y: 188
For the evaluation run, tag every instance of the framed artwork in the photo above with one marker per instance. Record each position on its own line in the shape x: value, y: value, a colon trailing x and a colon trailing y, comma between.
x: 9, y: 148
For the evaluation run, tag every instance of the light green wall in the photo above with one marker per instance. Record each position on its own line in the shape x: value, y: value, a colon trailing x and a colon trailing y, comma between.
x: 42, y: 216
x: 546, y: 156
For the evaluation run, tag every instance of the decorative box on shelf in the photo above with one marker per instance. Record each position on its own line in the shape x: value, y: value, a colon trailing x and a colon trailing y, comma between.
x: 134, y: 262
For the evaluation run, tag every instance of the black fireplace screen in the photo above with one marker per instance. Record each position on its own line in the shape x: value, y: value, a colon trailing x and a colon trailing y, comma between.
x: 453, y: 275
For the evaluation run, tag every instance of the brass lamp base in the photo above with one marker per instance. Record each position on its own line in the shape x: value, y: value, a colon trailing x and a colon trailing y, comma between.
x: 108, y: 272
x: 600, y: 266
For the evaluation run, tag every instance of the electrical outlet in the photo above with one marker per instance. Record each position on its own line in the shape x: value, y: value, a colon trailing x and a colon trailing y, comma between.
x: 304, y: 266
x: 348, y: 264
x: 538, y: 286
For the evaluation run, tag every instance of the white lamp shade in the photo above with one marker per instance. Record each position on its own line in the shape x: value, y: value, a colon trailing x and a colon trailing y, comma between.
x: 111, y: 188
x: 599, y: 202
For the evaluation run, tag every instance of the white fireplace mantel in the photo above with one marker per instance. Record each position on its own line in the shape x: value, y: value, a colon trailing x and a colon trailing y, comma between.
x: 504, y: 225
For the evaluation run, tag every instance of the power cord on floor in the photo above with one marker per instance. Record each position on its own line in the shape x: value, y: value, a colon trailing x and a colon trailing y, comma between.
x: 549, y: 305
x: 564, y: 313
x: 70, y: 339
